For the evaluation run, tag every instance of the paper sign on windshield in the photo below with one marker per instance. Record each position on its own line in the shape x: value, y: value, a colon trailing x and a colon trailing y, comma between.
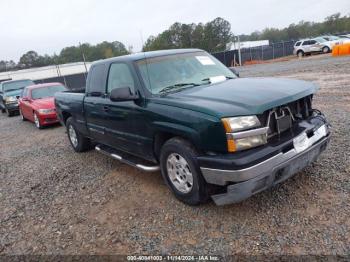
x: 217, y: 79
x: 205, y: 60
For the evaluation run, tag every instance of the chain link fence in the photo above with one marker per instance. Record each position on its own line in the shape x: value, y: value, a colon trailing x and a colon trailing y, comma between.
x: 259, y: 53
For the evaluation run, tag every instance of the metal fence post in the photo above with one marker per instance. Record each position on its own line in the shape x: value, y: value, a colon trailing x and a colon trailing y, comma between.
x: 283, y: 49
x: 262, y: 52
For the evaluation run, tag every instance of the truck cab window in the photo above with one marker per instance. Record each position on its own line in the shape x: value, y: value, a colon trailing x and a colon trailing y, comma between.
x: 97, y: 79
x: 120, y: 76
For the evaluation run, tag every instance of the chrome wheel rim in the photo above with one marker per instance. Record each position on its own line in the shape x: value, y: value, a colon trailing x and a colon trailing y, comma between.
x: 179, y: 173
x: 73, y: 136
x: 36, y: 121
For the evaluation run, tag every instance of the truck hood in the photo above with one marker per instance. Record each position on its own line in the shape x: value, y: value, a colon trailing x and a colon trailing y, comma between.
x: 238, y: 97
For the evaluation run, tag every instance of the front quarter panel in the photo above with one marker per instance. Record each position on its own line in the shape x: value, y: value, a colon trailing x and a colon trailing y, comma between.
x: 204, y: 131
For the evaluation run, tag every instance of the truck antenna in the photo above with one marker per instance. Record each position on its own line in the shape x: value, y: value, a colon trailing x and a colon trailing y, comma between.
x: 146, y: 61
x: 82, y: 53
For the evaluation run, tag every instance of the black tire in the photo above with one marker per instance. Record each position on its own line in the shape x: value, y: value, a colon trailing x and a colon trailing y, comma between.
x: 326, y: 50
x: 199, y: 192
x: 37, y: 121
x: 83, y: 143
x: 300, y: 53
x: 3, y: 111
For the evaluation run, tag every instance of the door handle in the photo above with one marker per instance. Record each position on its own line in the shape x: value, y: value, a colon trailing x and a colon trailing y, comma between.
x: 106, y: 108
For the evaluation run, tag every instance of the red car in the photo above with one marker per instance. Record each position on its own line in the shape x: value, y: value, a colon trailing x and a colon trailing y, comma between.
x: 37, y: 104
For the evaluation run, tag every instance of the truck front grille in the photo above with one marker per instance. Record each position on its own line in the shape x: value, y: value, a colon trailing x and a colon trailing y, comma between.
x: 297, y: 110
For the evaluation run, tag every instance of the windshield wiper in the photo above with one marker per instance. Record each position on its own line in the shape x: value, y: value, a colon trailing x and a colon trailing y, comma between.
x: 177, y: 87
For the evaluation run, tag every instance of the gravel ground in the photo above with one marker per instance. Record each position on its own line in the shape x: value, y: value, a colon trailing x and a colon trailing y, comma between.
x: 54, y: 201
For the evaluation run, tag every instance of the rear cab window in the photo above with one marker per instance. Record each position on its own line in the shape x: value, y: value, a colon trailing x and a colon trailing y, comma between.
x: 97, y: 80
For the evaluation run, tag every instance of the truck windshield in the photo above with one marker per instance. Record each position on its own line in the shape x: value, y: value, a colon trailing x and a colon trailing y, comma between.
x: 175, y: 72
x: 11, y: 86
x: 47, y: 91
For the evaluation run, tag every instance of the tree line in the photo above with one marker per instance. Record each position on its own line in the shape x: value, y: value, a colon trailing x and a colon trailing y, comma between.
x: 69, y: 54
x: 212, y: 37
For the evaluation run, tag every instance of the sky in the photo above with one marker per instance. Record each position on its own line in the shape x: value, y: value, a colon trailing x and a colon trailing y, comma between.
x: 47, y: 26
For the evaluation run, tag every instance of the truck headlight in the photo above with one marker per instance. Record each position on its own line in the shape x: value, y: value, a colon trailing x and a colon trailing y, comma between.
x: 234, y: 124
x: 250, y: 142
x: 46, y: 111
x: 10, y: 99
x: 238, y: 139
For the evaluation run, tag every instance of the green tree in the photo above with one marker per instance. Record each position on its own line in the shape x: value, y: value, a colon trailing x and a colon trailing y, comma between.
x: 213, y: 36
x: 29, y: 59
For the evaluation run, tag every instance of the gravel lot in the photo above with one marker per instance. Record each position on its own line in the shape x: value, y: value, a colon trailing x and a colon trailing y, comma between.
x: 54, y: 201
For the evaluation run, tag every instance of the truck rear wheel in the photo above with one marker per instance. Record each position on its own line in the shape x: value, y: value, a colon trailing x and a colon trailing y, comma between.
x: 181, y: 172
x: 77, y: 140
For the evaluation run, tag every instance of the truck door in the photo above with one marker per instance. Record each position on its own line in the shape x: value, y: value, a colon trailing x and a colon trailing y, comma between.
x: 121, y: 117
x: 94, y: 102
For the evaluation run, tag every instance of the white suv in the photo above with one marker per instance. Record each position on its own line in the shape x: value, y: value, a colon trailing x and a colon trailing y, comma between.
x: 315, y: 45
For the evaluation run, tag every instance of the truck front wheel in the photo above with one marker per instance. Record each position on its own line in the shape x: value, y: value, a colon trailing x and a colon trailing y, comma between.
x: 77, y: 140
x: 181, y: 172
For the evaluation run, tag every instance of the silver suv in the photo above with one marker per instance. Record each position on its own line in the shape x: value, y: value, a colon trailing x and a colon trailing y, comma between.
x: 308, y: 46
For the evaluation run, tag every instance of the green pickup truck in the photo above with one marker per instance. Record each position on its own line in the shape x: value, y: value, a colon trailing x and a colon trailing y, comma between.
x: 210, y: 133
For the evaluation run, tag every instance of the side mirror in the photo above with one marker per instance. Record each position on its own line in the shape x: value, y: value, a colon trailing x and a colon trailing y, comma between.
x: 233, y: 70
x: 122, y: 94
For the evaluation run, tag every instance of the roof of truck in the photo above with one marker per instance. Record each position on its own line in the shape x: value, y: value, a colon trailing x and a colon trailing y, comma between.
x: 143, y: 55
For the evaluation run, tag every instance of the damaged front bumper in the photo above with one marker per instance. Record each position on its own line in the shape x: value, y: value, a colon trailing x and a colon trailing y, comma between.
x: 245, y: 182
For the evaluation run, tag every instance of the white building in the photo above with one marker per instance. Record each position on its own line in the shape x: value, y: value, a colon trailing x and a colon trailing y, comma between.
x: 247, y: 44
x: 46, y: 72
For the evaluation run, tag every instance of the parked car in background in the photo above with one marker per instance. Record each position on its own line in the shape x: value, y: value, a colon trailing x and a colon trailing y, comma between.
x: 336, y: 40
x: 211, y: 133
x: 37, y: 104
x: 321, y: 44
x: 307, y: 46
x: 344, y: 36
x: 10, y: 92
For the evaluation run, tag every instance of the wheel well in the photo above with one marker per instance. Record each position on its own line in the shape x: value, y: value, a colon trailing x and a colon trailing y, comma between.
x: 65, y: 115
x: 159, y: 140
x: 300, y: 51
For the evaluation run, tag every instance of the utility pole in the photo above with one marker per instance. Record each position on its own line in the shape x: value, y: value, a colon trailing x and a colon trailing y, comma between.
x: 239, y: 51
x: 82, y: 52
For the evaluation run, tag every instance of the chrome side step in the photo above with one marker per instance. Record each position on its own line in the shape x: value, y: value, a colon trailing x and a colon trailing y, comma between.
x: 119, y: 157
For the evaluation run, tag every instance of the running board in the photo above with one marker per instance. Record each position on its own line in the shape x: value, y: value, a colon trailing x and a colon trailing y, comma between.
x: 127, y: 159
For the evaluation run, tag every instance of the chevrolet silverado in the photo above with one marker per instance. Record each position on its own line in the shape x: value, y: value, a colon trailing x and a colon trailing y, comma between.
x: 210, y: 133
